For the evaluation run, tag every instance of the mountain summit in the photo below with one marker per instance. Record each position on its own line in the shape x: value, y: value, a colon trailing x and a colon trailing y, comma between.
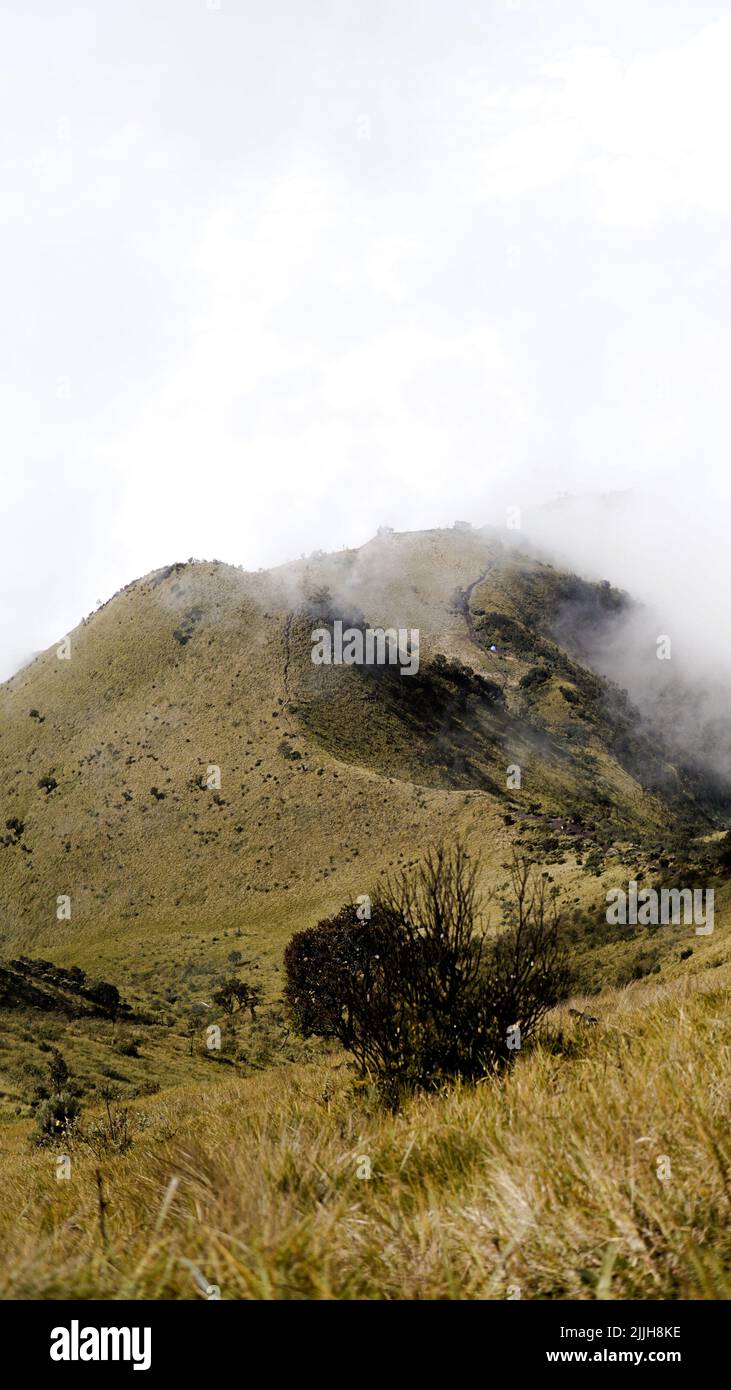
x: 178, y: 766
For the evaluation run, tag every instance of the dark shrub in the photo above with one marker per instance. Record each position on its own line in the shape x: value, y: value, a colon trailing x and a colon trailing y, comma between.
x: 105, y: 996
x: 234, y: 995
x: 56, y: 1117
x: 127, y: 1044
x: 58, y: 1113
x: 646, y: 961
x: 418, y: 993
x: 58, y: 1072
x: 722, y: 850
x: 287, y: 751
x: 536, y: 676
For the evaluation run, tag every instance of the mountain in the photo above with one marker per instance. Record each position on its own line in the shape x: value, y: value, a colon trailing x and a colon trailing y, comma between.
x: 329, y: 775
x: 181, y: 777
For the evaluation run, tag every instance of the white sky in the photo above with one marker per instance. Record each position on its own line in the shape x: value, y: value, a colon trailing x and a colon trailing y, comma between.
x: 275, y: 272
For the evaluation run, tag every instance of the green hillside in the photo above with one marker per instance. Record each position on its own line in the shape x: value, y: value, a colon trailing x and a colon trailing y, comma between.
x: 329, y: 775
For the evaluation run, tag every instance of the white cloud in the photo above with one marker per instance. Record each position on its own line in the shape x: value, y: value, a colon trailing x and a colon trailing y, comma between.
x: 274, y: 334
x: 644, y: 139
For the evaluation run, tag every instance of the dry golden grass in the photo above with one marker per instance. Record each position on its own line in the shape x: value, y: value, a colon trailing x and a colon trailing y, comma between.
x: 546, y: 1181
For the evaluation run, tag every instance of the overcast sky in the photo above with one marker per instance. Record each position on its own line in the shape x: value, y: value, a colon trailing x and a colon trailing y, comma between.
x: 274, y: 273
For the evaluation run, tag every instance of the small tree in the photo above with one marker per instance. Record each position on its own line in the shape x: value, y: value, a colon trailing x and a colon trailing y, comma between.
x: 194, y: 1023
x: 253, y: 999
x: 58, y: 1072
x: 234, y: 995
x: 419, y: 992
x: 57, y: 1115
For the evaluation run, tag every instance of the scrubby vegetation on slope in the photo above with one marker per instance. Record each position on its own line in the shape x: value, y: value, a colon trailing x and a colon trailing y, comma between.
x: 291, y: 1185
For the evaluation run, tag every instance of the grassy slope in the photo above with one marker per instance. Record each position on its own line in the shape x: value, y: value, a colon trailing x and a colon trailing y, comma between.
x: 149, y: 877
x: 154, y: 879
x: 547, y: 1182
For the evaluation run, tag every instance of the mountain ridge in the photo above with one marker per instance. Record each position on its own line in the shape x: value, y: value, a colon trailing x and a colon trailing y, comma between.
x: 328, y: 776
